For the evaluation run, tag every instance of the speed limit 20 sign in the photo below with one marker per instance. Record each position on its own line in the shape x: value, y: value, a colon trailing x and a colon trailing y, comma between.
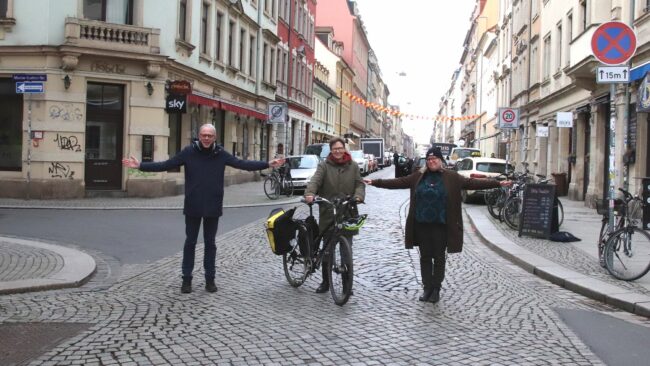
x: 508, y: 118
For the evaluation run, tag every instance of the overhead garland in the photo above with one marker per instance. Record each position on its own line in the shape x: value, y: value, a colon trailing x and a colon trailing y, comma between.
x: 393, y: 112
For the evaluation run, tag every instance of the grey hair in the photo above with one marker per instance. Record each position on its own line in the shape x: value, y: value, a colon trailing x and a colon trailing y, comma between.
x: 210, y: 126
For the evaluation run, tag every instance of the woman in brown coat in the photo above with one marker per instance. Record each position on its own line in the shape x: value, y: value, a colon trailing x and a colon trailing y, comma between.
x: 434, y: 221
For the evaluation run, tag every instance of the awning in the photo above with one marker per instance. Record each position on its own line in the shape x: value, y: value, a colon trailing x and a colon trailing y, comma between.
x: 639, y: 72
x: 243, y: 110
x: 220, y: 104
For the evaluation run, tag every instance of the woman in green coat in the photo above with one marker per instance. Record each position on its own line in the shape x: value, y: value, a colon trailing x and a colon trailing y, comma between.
x: 336, y: 177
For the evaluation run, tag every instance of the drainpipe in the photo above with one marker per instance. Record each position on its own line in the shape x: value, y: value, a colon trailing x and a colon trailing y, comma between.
x: 526, y: 126
x: 327, y: 112
x: 341, y: 107
x: 626, y: 113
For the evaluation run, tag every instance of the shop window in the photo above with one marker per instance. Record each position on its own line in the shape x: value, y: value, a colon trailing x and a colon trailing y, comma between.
x: 11, y: 127
x: 111, y: 11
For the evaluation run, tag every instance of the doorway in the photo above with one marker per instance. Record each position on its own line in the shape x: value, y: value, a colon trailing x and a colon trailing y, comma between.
x: 104, y: 136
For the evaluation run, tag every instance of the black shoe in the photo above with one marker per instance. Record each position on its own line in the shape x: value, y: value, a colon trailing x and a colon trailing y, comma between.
x: 426, y: 294
x: 210, y: 286
x: 186, y: 287
x: 435, y: 295
x: 323, y: 287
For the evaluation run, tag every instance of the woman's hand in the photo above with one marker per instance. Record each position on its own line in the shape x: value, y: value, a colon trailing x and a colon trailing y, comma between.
x: 505, y: 183
x: 368, y: 181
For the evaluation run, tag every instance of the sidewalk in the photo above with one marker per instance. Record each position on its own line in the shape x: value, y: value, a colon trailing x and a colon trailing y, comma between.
x: 34, y: 266
x: 571, y: 265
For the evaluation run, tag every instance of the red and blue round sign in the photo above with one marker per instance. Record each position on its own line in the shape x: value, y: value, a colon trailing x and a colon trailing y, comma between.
x: 613, y: 43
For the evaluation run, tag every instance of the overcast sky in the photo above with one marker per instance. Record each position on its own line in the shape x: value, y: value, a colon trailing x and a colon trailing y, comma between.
x: 422, y: 38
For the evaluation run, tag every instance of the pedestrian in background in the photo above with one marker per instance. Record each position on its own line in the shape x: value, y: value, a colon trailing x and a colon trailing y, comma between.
x: 396, y: 163
x: 336, y: 177
x: 205, y: 163
x: 434, y: 222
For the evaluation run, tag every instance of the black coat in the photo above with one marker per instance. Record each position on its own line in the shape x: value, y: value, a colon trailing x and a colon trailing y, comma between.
x: 204, y: 174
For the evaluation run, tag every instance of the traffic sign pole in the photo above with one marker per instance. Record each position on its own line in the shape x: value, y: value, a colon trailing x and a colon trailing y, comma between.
x: 29, y: 143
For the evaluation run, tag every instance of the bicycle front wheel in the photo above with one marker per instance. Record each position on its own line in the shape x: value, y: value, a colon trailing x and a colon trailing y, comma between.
x: 510, y: 212
x: 340, y: 270
x: 271, y: 188
x: 297, y: 262
x: 627, y: 254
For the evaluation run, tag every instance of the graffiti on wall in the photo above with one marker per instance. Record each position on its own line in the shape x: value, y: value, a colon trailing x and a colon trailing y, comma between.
x: 69, y: 143
x: 65, y: 112
x: 60, y: 170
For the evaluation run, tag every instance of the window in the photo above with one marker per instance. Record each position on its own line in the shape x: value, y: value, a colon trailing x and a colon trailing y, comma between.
x: 204, y: 27
x: 252, y: 56
x: 534, y: 8
x: 265, y: 73
x: 182, y: 20
x: 569, y: 39
x: 534, y: 62
x: 231, y: 43
x: 546, y: 71
x: 111, y: 11
x: 242, y: 49
x: 3, y: 8
x: 272, y: 66
x: 583, y: 15
x: 217, y: 46
x: 558, y: 50
x: 11, y: 126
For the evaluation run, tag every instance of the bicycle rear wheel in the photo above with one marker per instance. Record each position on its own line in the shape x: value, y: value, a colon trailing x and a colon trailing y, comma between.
x: 627, y: 254
x: 288, y: 187
x: 494, y: 200
x: 511, y: 211
x: 340, y: 270
x: 297, y: 262
x: 271, y: 187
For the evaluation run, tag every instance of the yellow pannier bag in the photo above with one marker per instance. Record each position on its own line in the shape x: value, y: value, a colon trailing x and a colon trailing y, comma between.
x: 280, y: 229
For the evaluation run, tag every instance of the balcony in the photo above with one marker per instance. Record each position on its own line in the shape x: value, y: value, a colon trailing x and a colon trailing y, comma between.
x: 111, y: 37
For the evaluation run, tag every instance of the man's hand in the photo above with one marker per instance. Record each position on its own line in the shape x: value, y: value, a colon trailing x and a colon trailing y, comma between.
x: 277, y: 162
x: 131, y: 162
x: 309, y: 199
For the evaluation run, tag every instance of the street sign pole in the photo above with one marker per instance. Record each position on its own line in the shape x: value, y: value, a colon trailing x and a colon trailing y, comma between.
x: 29, y: 143
x: 612, y: 175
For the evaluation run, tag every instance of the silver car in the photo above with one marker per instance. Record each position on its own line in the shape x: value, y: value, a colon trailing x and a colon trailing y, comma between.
x: 303, y: 168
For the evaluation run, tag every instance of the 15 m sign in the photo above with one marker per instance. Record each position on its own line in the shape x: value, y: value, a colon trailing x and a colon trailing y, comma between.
x: 612, y: 74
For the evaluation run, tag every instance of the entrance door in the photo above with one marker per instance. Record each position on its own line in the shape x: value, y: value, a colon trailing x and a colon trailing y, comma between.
x: 104, y: 129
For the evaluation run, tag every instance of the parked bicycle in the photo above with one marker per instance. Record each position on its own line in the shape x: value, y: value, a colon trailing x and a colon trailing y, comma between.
x: 624, y: 250
x: 306, y: 256
x: 278, y: 182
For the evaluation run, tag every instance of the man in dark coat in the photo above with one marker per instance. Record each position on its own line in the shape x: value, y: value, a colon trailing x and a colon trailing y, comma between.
x: 205, y: 163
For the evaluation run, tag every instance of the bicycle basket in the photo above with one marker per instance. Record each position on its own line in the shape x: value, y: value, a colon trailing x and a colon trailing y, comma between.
x: 280, y: 229
x: 602, y: 207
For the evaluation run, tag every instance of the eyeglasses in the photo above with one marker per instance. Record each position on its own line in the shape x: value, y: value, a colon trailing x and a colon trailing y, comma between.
x: 433, y: 158
x: 206, y: 136
x: 338, y: 149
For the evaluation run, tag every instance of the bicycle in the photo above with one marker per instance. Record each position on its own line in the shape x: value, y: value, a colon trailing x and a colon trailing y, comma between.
x: 627, y: 249
x: 278, y: 182
x: 513, y: 203
x: 305, y: 256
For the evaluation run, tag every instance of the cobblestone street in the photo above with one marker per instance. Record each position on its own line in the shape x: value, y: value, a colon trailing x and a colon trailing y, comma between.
x: 491, y: 311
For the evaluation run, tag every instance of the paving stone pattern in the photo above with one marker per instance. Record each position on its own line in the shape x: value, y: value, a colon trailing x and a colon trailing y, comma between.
x: 491, y: 312
x: 17, y: 263
x: 566, y: 255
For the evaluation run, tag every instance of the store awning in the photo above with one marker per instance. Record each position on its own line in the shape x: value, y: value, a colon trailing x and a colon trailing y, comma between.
x: 243, y: 110
x: 220, y: 104
x: 639, y: 72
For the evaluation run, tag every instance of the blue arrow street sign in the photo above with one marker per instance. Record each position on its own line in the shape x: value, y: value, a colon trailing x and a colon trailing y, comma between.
x: 29, y: 77
x: 29, y: 87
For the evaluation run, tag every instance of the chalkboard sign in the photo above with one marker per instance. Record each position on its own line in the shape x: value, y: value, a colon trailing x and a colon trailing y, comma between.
x: 537, y: 210
x: 147, y: 148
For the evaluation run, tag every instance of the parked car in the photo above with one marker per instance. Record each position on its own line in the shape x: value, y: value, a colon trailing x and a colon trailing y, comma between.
x: 362, y: 162
x: 388, y: 158
x: 458, y: 153
x: 320, y: 150
x: 480, y: 168
x: 303, y: 168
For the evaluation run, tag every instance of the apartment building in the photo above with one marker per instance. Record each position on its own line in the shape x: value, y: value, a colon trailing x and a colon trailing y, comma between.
x: 544, y: 66
x: 110, y: 67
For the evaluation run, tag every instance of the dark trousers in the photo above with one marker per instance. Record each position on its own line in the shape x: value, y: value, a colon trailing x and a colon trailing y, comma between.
x: 192, y: 225
x: 432, y: 240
